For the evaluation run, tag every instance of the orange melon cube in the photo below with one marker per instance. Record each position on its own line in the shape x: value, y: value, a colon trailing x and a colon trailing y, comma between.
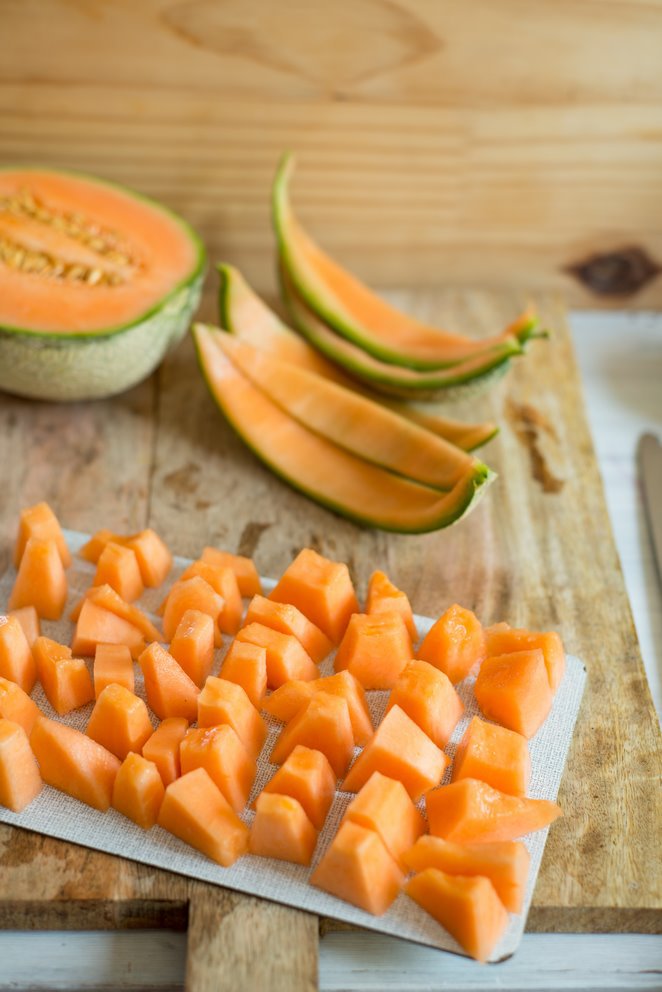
x: 383, y: 805
x: 195, y: 810
x: 286, y: 701
x: 16, y: 705
x: 286, y: 658
x: 427, y: 696
x: 507, y: 640
x: 91, y: 550
x: 244, y: 569
x: 358, y: 868
x: 119, y: 721
x: 466, y: 906
x: 40, y: 522
x: 112, y: 663
x: 513, y: 690
x: 495, y: 755
x: 375, y: 649
x: 20, y: 781
x: 118, y: 568
x: 138, y: 790
x: 345, y: 685
x: 191, y: 594
x: 16, y: 660
x: 65, y: 680
x: 99, y: 626
x: 306, y: 776
x: 41, y: 581
x: 220, y: 752
x: 73, y: 763
x: 455, y: 643
x: 322, y: 724
x: 505, y: 863
x: 282, y: 830
x: 321, y: 589
x: 399, y: 749
x: 192, y: 646
x: 106, y: 597
x: 153, y: 556
x: 471, y: 811
x: 169, y: 690
x: 289, y: 620
x: 226, y: 702
x: 224, y: 582
x: 384, y: 597
x: 246, y: 664
x: 162, y: 748
x: 28, y: 618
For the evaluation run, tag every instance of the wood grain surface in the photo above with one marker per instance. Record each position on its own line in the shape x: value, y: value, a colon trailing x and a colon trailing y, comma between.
x: 501, y: 142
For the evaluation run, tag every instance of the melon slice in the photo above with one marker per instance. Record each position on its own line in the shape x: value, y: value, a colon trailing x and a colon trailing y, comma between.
x: 494, y: 755
x: 16, y: 705
x: 226, y: 702
x: 28, y: 618
x: 427, y: 696
x: 282, y: 830
x: 471, y: 811
x: 106, y: 597
x: 375, y: 649
x: 455, y: 643
x: 73, y: 763
x: 39, y: 521
x: 384, y: 597
x: 322, y: 589
x: 246, y: 664
x: 513, y: 689
x: 65, y: 680
x: 138, y: 790
x: 119, y: 721
x: 112, y: 664
x: 162, y: 748
x: 97, y: 625
x: 20, y: 781
x: 223, y: 756
x: 384, y: 806
x: 192, y: 645
x: 41, y: 581
x: 118, y: 568
x: 510, y: 639
x: 169, y: 690
x: 307, y: 776
x: 246, y: 573
x: 16, y: 660
x: 287, y: 619
x: 191, y: 594
x: 285, y: 656
x: 358, y: 868
x: 322, y: 724
x: 223, y: 581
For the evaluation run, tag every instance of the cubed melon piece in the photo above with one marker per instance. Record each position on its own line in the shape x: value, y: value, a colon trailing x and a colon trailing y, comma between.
x: 28, y: 618
x: 427, y: 696
x: 288, y: 699
x: 153, y: 555
x: 322, y: 724
x: 466, y: 906
x: 97, y: 625
x: 112, y: 663
x: 307, y: 776
x: 162, y: 748
x: 20, y: 781
x: 375, y: 649
x: 65, y: 680
x: 119, y: 721
x: 244, y: 569
x: 286, y: 657
x: 16, y: 705
x: 513, y: 690
x: 455, y: 643
x: 106, y: 597
x: 285, y: 702
x: 282, y: 830
x: 383, y: 805
x: 495, y: 755
x: 321, y: 589
x: 289, y: 620
x: 138, y: 790
x: 195, y: 810
x: 226, y: 702
x: 118, y: 568
x: 192, y: 645
x: 220, y: 752
x: 191, y: 594
x: 246, y: 664
x: 399, y: 749
x: 506, y: 640
x: 73, y: 763
x: 16, y: 659
x: 471, y: 811
x: 384, y: 597
x: 41, y: 581
x: 358, y: 868
x: 169, y: 690
x: 91, y: 550
x: 224, y: 582
x: 40, y: 522
x: 505, y: 863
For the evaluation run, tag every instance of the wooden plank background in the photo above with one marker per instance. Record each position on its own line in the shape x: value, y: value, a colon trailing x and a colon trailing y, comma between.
x: 496, y: 142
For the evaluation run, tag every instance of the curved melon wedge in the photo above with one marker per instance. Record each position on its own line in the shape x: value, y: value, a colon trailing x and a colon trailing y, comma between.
x: 355, y: 312
x: 323, y: 471
x: 246, y: 316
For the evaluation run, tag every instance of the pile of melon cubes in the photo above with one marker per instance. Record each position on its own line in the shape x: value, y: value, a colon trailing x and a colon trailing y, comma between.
x: 194, y: 772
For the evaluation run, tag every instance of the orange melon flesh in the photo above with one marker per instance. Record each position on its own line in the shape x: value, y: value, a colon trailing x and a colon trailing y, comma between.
x: 119, y: 721
x: 91, y: 550
x: 358, y: 868
x: 513, y: 689
x: 28, y: 618
x: 39, y: 521
x: 246, y: 664
x: 223, y: 756
x: 285, y: 702
x: 288, y: 699
x: 505, y: 863
x: 244, y: 569
x: 65, y: 680
x: 494, y: 755
x: 41, y: 581
x: 286, y: 658
x: 162, y: 748
x: 427, y: 696
x: 16, y: 705
x: 112, y: 664
x: 455, y: 643
x: 191, y: 594
x: 73, y: 763
x: 96, y: 625
x: 192, y: 646
x: 282, y: 830
x: 384, y: 597
x: 375, y: 649
x: 195, y: 810
x: 224, y: 582
x: 106, y: 597
x: 153, y: 555
x: 169, y: 690
x: 20, y: 781
x: 467, y: 906
x: 471, y: 811
x: 16, y: 661
x: 138, y: 790
x: 399, y: 749
x: 289, y: 620
x: 384, y: 806
x: 511, y: 639
x: 321, y: 589
x: 226, y: 702
x: 118, y: 568
x: 323, y: 724
x: 306, y: 776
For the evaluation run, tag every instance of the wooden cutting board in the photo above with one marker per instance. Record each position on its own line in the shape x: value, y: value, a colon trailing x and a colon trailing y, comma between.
x: 538, y: 551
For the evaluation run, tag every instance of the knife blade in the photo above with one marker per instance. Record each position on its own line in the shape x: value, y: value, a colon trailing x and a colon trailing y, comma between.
x: 650, y: 469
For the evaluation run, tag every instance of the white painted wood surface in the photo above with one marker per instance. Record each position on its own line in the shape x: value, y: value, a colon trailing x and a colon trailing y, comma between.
x: 621, y: 360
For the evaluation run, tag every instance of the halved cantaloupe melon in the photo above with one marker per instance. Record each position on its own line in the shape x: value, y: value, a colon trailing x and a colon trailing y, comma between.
x: 138, y: 790
x: 282, y: 830
x: 427, y: 696
x: 384, y: 597
x: 20, y: 781
x: 455, y: 643
x: 470, y: 811
x: 358, y: 868
x: 112, y: 664
x: 16, y: 659
x: 287, y: 619
x: 495, y: 755
x: 383, y: 805
x: 41, y: 581
x: 16, y: 705
x: 375, y: 649
x: 73, y: 763
x: 40, y: 521
x: 307, y: 776
x: 162, y: 748
x: 220, y: 752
